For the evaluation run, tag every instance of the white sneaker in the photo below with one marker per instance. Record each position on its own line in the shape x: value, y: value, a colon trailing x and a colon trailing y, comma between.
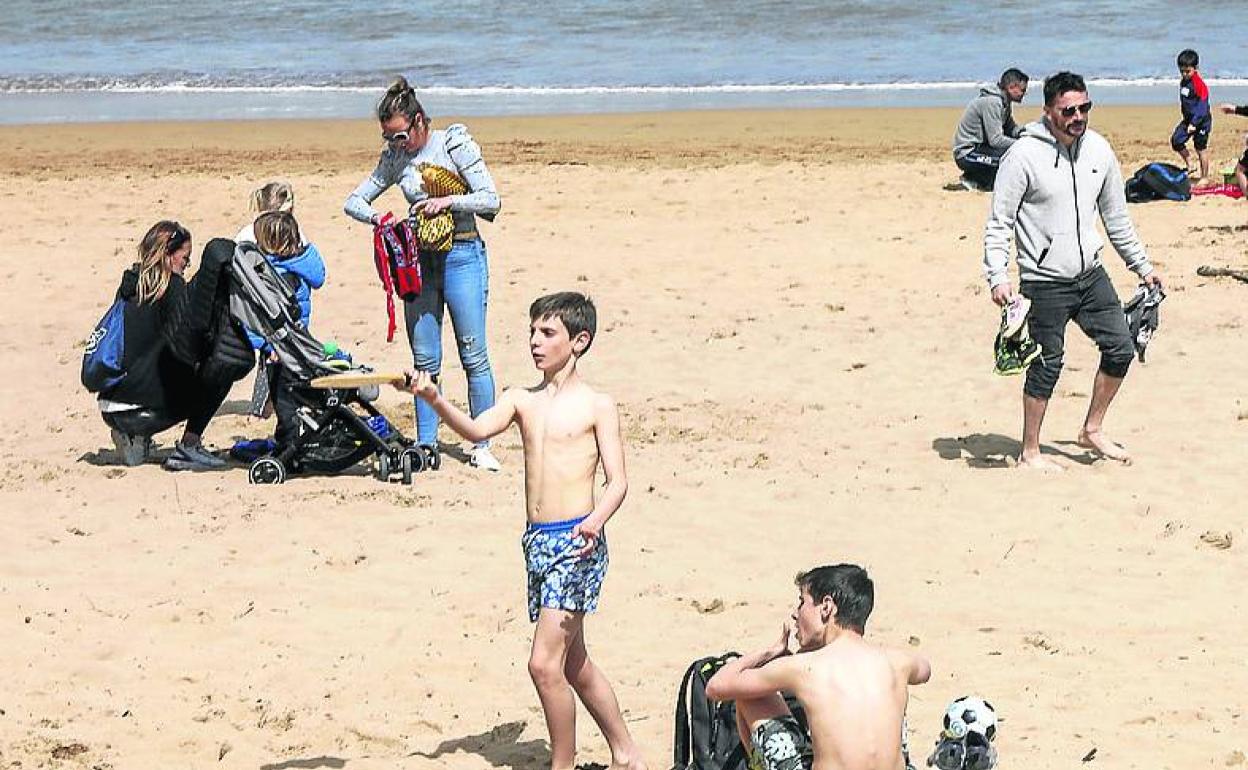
x: 484, y: 459
x: 1015, y: 315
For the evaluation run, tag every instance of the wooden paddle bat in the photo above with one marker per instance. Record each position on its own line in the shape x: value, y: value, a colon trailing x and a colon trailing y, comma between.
x: 1210, y: 271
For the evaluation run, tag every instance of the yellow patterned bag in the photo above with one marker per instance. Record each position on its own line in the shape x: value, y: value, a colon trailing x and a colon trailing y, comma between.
x: 437, y: 233
x: 439, y: 182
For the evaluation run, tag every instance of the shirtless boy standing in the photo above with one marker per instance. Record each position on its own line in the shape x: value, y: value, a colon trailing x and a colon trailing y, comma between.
x: 567, y: 428
x: 853, y: 692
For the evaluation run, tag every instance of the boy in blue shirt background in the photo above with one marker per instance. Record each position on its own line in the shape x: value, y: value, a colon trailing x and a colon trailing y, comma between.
x: 1197, y: 120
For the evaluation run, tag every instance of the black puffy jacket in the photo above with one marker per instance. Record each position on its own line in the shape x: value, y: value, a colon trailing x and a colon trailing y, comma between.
x: 177, y: 344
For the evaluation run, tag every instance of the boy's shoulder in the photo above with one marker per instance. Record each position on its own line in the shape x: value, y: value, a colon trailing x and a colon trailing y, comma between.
x: 1199, y: 84
x: 601, y: 399
x: 592, y: 402
x: 588, y: 394
x: 520, y: 394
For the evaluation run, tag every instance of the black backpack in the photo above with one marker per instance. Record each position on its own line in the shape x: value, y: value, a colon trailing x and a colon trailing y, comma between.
x: 706, y: 736
x: 1158, y: 181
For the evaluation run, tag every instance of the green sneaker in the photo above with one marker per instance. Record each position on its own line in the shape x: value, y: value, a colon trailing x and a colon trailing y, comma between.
x: 1014, y: 354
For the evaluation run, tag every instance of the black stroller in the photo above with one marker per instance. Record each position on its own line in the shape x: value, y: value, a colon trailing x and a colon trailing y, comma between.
x: 339, y: 426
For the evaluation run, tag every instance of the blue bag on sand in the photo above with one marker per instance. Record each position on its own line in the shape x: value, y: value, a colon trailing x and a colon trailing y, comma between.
x: 1158, y: 181
x: 248, y: 450
x: 101, y: 360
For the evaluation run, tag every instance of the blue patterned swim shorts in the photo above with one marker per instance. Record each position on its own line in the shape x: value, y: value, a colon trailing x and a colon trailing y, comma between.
x: 558, y: 578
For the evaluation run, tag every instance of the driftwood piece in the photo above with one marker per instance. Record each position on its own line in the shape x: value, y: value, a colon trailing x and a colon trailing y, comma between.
x: 1211, y: 271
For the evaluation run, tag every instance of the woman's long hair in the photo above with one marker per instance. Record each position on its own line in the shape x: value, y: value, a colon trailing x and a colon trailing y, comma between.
x: 162, y: 240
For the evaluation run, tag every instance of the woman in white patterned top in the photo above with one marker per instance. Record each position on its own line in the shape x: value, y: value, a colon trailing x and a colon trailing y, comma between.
x: 457, y: 280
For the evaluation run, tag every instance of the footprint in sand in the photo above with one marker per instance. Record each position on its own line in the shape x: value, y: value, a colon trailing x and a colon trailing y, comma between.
x: 1222, y: 541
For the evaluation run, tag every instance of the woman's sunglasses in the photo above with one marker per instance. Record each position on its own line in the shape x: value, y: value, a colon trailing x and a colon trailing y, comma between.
x: 1082, y: 109
x: 400, y: 137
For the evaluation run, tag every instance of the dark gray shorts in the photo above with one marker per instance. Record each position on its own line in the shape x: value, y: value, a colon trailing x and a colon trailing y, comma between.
x: 1091, y: 302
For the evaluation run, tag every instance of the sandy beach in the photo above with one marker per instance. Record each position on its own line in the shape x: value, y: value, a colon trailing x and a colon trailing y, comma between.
x: 793, y: 321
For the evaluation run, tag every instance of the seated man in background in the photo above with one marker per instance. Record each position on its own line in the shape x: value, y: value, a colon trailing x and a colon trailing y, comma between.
x: 987, y: 130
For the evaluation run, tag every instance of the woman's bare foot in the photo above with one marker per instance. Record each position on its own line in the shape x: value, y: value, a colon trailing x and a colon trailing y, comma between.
x: 1038, y: 462
x: 633, y: 764
x: 1101, y: 444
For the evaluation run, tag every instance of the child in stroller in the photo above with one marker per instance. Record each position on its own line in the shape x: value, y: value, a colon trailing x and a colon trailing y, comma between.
x: 333, y: 435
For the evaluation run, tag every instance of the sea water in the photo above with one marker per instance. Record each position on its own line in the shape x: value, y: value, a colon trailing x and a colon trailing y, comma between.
x: 91, y: 60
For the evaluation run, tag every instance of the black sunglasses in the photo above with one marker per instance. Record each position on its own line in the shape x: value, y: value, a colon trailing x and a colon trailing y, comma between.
x: 1082, y: 109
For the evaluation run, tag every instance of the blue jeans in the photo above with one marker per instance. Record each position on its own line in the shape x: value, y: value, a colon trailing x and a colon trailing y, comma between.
x: 458, y: 280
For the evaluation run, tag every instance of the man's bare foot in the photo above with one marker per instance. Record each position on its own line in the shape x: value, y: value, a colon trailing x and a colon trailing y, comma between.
x: 1038, y: 462
x: 1101, y: 444
x: 632, y: 764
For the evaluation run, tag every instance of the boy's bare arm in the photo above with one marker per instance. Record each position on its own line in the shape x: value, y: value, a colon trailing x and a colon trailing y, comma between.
x: 920, y: 671
x: 489, y: 423
x: 916, y: 667
x: 611, y: 455
x: 757, y: 674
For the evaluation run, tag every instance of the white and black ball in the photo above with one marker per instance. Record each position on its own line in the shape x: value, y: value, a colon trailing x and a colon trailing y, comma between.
x: 970, y: 714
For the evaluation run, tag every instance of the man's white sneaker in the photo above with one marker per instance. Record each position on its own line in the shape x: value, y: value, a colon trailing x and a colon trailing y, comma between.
x: 484, y: 459
x: 1015, y: 315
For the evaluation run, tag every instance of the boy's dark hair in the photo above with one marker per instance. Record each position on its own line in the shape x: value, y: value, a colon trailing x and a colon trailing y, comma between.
x: 1011, y: 76
x: 850, y: 588
x: 1058, y: 84
x: 575, y: 310
x: 1188, y: 58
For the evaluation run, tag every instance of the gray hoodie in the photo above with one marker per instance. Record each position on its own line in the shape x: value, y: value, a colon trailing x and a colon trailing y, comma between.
x: 987, y: 120
x: 1049, y: 198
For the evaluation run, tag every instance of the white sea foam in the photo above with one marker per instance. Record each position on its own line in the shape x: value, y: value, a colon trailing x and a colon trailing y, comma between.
x: 122, y: 87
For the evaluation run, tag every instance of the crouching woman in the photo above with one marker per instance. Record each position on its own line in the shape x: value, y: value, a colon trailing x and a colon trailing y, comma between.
x: 182, y: 350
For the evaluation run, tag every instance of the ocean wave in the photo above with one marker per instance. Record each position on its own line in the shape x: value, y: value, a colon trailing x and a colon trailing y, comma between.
x: 142, y: 87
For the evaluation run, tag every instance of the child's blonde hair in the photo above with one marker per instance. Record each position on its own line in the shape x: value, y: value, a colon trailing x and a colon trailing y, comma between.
x: 274, y: 196
x: 277, y: 233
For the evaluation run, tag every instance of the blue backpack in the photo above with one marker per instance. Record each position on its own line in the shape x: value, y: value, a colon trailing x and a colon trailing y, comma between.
x: 1158, y: 181
x: 102, y: 358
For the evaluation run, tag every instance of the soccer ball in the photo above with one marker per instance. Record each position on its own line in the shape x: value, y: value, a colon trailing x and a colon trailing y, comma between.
x: 970, y: 714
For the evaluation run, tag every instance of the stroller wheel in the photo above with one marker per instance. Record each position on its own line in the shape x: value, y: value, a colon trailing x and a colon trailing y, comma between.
x: 337, y: 449
x: 433, y: 458
x: 266, y: 470
x: 411, y: 461
x: 383, y: 466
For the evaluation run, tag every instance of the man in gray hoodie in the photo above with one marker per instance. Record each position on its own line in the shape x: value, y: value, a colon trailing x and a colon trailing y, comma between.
x: 987, y: 130
x: 1053, y: 184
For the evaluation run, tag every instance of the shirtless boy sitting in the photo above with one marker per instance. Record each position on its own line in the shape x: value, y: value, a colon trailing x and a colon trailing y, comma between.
x: 567, y: 429
x: 854, y: 693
